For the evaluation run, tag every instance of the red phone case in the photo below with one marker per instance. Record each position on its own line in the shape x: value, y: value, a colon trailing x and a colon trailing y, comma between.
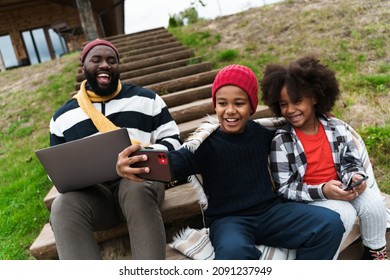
x: 159, y: 164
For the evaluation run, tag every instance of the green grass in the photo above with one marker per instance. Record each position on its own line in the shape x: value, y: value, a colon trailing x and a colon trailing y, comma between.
x: 23, y: 182
x: 377, y: 140
x: 379, y: 82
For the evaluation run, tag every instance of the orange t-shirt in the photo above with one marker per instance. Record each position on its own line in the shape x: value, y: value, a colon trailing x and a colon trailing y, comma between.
x: 320, y: 167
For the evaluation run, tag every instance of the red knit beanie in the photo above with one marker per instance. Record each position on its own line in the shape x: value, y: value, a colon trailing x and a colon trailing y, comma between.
x: 240, y: 76
x: 94, y: 43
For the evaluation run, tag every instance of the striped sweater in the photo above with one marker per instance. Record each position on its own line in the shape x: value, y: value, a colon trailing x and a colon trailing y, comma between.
x: 140, y: 110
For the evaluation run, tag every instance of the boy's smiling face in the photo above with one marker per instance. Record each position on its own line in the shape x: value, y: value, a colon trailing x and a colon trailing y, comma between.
x: 233, y: 108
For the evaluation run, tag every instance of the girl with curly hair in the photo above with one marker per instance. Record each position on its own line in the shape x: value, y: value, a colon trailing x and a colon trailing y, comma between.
x: 313, y: 157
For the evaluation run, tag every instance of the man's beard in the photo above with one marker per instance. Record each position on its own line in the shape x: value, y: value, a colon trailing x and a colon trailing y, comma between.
x: 92, y: 82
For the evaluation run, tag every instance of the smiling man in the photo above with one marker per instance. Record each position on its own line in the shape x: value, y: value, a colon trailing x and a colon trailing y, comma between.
x: 107, y: 78
x: 103, y: 104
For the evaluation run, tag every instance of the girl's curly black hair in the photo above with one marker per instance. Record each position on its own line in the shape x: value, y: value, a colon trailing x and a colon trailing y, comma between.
x: 305, y: 77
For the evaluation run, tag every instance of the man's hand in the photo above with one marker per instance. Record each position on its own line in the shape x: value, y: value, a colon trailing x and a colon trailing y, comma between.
x: 125, y: 160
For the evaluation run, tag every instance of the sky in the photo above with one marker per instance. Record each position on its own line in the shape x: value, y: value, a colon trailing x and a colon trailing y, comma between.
x: 148, y: 14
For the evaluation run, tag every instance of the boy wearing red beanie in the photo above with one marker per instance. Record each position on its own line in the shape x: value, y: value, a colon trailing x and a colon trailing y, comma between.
x: 240, y: 206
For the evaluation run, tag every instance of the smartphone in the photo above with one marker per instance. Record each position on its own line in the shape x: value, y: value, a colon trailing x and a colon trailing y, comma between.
x: 358, y: 182
x: 159, y: 164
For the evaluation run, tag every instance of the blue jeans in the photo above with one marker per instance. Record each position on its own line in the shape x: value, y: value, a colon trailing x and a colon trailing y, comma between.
x: 315, y: 232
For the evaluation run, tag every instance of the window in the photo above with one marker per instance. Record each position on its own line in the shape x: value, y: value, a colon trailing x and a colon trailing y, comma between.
x: 7, y: 52
x: 38, y: 47
x: 58, y: 42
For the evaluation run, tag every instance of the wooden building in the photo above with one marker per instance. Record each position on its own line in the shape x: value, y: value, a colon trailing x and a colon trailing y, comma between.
x: 33, y: 31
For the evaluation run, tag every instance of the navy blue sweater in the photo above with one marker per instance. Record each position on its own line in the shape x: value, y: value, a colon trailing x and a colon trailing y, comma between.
x: 234, y: 168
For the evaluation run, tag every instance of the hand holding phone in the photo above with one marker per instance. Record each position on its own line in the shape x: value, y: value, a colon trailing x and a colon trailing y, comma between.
x: 357, y: 183
x: 158, y: 162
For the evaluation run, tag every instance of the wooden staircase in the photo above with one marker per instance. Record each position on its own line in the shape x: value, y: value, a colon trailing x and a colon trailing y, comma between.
x: 157, y: 60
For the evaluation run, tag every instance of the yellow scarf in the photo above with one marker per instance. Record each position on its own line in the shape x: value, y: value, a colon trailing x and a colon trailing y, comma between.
x: 86, y: 97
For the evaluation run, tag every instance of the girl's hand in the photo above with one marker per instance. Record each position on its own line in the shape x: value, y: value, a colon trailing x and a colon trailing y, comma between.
x: 333, y: 190
x: 359, y: 189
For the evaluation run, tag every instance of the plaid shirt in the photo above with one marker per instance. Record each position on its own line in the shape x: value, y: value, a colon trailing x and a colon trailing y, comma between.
x: 288, y: 160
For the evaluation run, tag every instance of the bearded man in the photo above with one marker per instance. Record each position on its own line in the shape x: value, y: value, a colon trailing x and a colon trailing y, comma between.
x: 103, y: 104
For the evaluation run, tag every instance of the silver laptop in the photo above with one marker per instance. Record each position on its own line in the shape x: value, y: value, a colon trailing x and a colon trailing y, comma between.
x: 84, y: 162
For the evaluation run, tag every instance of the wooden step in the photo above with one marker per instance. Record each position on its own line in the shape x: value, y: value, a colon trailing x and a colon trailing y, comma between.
x: 183, y: 83
x: 171, y: 254
x: 139, y: 34
x: 146, y: 34
x: 191, y: 111
x: 187, y: 95
x: 148, y: 62
x: 156, y: 60
x: 181, y: 203
x: 153, y: 46
x: 171, y: 195
x: 159, y: 68
x: 135, y: 43
x: 148, y: 55
x: 147, y: 44
x: 170, y: 74
x: 166, y: 75
x: 152, y: 54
